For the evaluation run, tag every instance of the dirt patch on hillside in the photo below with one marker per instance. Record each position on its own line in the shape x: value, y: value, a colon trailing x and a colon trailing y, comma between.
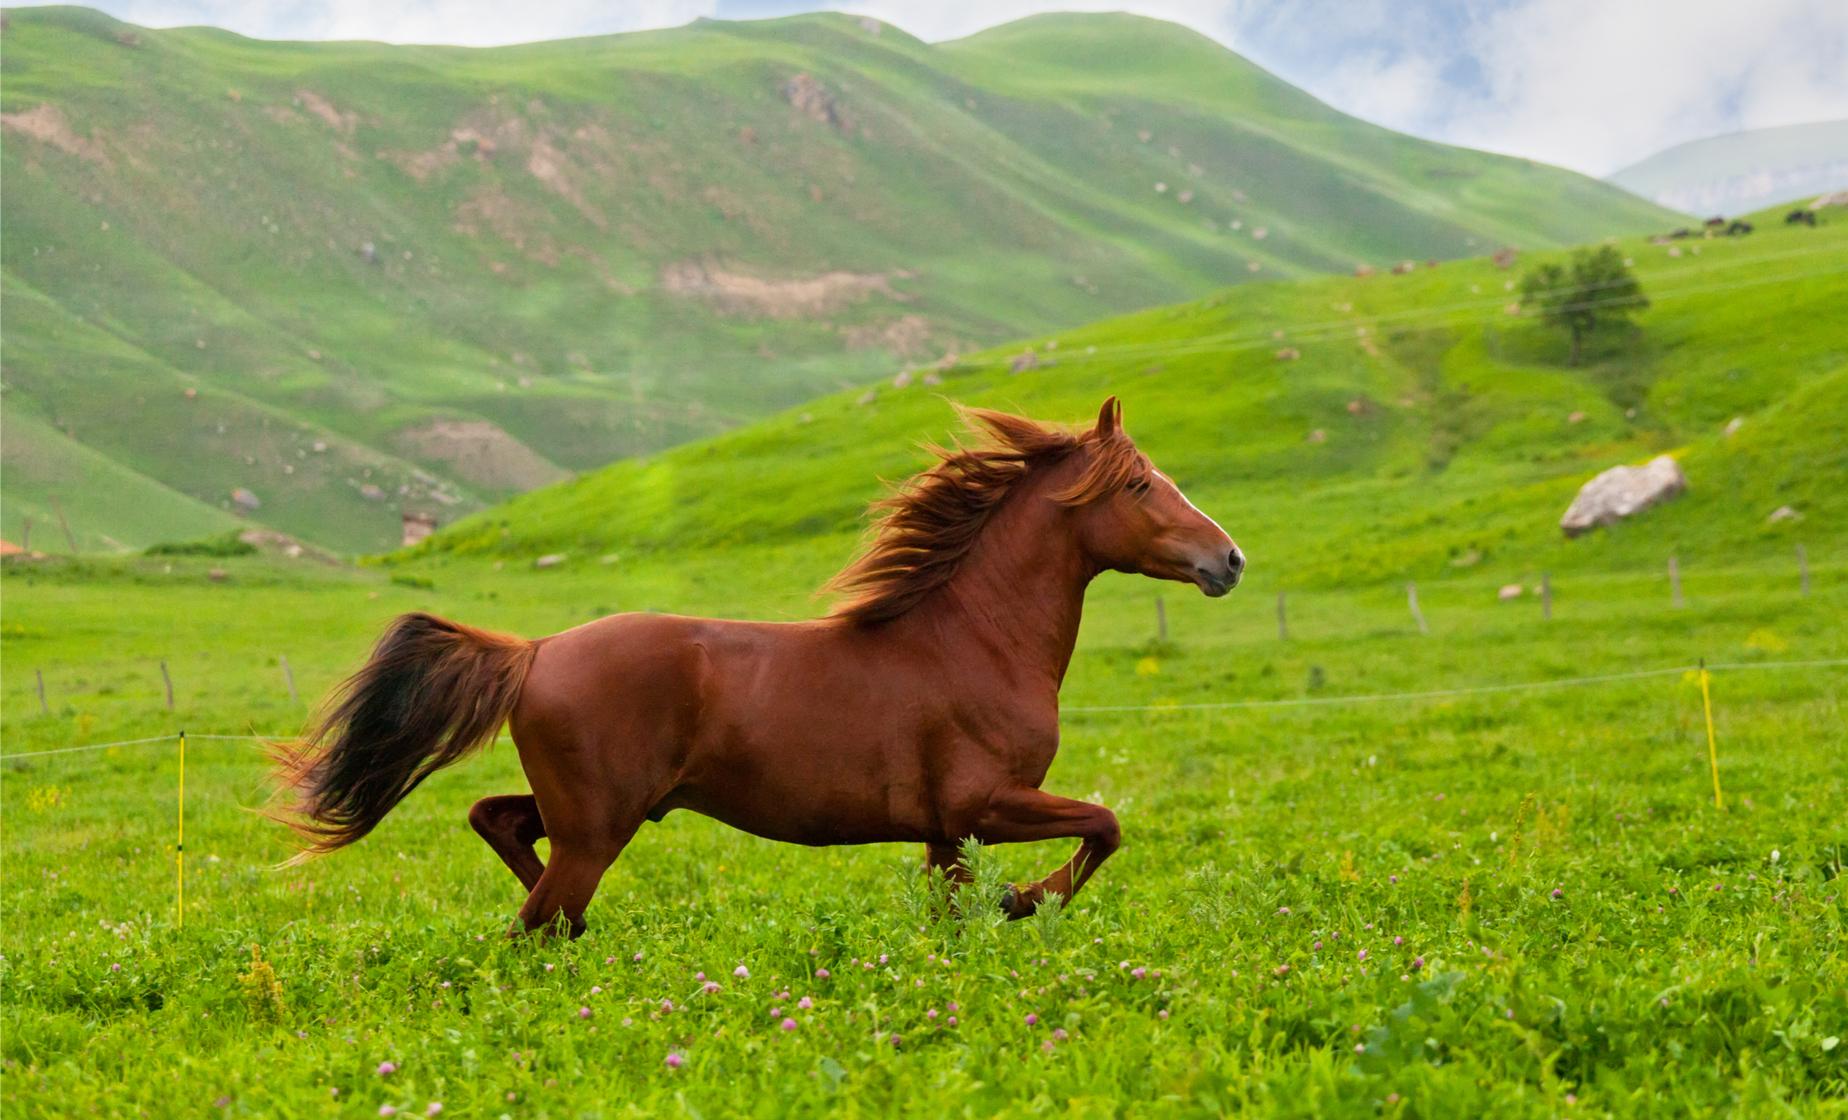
x: 808, y: 96
x: 479, y: 453
x: 807, y: 297
x: 47, y: 124
x: 340, y: 122
x: 494, y: 211
x: 908, y: 336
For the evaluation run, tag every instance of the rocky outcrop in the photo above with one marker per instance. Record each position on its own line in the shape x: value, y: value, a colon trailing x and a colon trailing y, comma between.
x: 1623, y: 492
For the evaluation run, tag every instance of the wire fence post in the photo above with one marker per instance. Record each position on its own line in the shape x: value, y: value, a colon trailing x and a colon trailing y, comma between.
x: 1713, y: 750
x: 179, y: 848
x: 168, y: 681
x: 70, y: 538
x: 1546, y: 597
x: 25, y: 535
x: 288, y: 678
x: 1161, y: 619
x: 1411, y: 600
x: 1283, y: 620
x: 44, y: 708
x: 1803, y: 569
x: 1674, y: 579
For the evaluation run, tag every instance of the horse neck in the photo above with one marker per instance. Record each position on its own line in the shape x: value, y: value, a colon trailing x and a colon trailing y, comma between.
x: 1020, y: 591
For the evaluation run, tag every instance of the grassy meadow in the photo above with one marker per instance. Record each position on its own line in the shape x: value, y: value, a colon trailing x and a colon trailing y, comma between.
x: 1520, y: 903
x: 1513, y: 903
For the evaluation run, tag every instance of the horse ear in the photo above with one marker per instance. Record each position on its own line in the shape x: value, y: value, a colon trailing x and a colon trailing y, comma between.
x: 1110, y: 419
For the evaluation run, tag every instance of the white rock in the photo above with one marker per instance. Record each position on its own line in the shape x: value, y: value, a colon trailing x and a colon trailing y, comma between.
x: 1622, y: 492
x: 1509, y: 591
x: 1784, y: 513
x: 550, y: 560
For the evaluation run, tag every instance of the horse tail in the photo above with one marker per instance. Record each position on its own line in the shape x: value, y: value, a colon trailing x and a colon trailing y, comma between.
x: 432, y: 692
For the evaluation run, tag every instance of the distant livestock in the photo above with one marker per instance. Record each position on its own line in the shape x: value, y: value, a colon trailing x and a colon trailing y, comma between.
x: 1800, y: 216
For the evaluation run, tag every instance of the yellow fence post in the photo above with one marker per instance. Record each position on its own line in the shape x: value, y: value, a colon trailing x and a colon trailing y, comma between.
x: 180, y: 848
x: 1713, y: 751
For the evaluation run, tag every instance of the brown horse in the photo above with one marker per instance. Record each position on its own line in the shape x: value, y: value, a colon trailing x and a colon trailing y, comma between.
x: 925, y: 708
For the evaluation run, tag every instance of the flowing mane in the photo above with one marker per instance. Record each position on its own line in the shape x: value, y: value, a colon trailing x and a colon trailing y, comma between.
x: 930, y: 522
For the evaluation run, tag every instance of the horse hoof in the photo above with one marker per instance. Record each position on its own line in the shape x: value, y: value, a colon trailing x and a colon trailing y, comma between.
x: 1015, y: 904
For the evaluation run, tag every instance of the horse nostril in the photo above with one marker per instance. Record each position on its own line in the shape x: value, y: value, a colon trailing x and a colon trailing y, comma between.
x: 1235, y: 561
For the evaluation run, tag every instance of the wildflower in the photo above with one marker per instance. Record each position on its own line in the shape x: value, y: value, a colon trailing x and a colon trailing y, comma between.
x: 822, y: 974
x: 896, y: 1040
x: 549, y: 966
x: 596, y: 989
x: 386, y: 1069
x: 1032, y: 1019
x: 1162, y: 1014
x: 1138, y: 973
x: 1397, y: 940
x: 711, y: 987
x: 1060, y: 1034
x: 434, y: 1108
x: 667, y: 1005
x: 953, y: 1008
x: 1509, y: 1014
x: 805, y: 1003
x: 931, y: 1014
x: 1046, y: 1047
x: 700, y: 976
x: 1392, y: 878
x: 742, y: 972
x: 1557, y: 893
x: 627, y: 1022
x: 1318, y: 946
x: 1362, y: 956
x: 1284, y: 910
x: 609, y: 960
x: 675, y: 1061
x: 637, y: 958
x: 387, y: 1110
x: 883, y: 958
x: 1360, y: 1048
x: 1417, y: 963
x: 583, y: 1012
x: 1775, y: 855
x: 951, y: 1020
x: 115, y: 966
x: 789, y: 1024
x: 1283, y: 969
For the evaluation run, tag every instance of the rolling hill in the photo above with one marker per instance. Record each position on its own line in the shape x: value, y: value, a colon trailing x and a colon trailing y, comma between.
x: 346, y: 279
x: 1744, y: 170
x: 1346, y: 430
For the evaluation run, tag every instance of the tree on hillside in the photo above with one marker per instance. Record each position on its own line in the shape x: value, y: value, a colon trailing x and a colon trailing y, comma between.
x: 1598, y: 290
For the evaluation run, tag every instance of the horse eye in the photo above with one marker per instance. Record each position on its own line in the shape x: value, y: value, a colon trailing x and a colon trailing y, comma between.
x: 1139, y: 486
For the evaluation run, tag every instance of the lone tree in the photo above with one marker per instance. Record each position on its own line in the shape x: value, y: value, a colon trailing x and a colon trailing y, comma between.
x: 1597, y: 291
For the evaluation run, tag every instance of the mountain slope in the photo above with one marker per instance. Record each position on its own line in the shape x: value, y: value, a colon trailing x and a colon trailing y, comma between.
x: 1744, y: 171
x: 463, y: 272
x: 1422, y: 432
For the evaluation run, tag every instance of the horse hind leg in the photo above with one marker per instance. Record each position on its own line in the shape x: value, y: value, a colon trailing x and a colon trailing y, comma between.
x: 511, y: 825
x: 564, y: 890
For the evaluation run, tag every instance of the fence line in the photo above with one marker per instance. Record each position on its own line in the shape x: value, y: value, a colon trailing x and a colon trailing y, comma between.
x: 1290, y: 702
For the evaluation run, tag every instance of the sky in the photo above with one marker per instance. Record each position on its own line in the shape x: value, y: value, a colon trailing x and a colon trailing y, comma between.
x: 1593, y: 85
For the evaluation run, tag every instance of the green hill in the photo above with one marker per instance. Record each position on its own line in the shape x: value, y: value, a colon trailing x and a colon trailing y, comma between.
x: 1423, y: 431
x: 1744, y: 170
x: 354, y: 278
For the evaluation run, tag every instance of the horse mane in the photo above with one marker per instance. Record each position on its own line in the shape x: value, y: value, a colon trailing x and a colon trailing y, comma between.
x: 925, y: 527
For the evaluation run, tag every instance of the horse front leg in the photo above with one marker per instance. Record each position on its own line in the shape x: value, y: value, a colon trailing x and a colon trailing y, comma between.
x: 1021, y: 814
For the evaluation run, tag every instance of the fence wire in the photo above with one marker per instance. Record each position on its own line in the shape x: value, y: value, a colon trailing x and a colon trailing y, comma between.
x: 1217, y: 705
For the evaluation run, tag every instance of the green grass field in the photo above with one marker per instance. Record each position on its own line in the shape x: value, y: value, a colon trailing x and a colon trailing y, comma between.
x: 601, y: 247
x: 1692, y: 961
x: 1556, y: 918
